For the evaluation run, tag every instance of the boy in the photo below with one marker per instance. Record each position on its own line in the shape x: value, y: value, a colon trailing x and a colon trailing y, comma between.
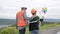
x: 34, y: 23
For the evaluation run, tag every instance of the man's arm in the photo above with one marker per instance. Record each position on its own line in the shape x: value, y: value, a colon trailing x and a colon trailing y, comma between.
x: 16, y: 21
x: 27, y: 18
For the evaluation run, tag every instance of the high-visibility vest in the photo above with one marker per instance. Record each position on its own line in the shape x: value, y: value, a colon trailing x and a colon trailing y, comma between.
x: 22, y: 21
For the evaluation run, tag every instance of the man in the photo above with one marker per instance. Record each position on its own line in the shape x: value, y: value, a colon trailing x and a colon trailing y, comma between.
x: 41, y: 20
x: 34, y: 23
x: 21, y: 21
x: 41, y: 17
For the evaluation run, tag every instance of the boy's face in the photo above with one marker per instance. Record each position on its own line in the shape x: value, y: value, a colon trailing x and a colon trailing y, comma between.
x: 34, y: 13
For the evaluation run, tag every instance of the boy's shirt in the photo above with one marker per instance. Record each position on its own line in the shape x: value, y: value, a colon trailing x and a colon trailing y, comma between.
x: 34, y: 25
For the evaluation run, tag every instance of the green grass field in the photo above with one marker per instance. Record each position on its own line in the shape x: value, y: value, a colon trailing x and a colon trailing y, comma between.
x: 47, y: 26
x: 12, y: 29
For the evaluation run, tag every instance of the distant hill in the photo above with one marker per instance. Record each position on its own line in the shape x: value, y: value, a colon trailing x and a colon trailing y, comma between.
x: 52, y: 20
x: 13, y: 21
x: 7, y: 21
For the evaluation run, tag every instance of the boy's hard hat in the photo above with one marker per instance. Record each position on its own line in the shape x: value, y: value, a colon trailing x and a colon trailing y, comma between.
x: 33, y: 10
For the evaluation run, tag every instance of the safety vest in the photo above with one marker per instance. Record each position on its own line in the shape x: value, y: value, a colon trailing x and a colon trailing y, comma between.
x: 22, y: 21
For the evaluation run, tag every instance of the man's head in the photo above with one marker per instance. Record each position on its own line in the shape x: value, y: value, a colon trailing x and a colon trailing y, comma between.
x: 33, y: 11
x: 23, y: 8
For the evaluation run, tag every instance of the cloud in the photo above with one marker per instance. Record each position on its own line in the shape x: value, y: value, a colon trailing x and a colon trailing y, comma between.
x: 9, y: 8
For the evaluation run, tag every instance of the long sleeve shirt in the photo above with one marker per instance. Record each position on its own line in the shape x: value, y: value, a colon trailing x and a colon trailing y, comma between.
x: 27, y: 18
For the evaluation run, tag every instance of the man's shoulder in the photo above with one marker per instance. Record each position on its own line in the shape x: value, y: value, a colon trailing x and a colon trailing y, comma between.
x: 19, y: 12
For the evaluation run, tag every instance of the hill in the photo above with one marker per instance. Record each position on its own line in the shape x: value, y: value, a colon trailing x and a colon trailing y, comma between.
x: 7, y: 21
x: 13, y: 21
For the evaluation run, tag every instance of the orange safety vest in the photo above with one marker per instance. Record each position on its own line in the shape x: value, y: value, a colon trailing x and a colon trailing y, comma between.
x: 22, y: 21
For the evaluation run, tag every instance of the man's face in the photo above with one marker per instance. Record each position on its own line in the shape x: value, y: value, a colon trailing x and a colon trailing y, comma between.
x: 25, y: 9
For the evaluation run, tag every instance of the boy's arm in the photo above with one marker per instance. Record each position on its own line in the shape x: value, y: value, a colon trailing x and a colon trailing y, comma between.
x: 35, y: 21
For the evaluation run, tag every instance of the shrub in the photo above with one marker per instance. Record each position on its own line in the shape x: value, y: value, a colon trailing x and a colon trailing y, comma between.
x: 9, y: 30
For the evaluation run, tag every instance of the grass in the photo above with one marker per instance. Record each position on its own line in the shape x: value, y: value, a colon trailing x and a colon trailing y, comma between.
x: 9, y: 30
x: 12, y: 29
x: 47, y: 26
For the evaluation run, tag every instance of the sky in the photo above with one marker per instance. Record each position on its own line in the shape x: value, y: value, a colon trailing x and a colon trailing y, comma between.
x: 9, y: 8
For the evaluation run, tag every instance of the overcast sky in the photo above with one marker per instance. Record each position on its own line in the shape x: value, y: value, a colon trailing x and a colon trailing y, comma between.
x: 9, y: 8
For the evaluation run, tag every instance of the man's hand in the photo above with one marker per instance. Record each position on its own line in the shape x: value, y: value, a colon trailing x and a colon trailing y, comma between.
x: 16, y: 27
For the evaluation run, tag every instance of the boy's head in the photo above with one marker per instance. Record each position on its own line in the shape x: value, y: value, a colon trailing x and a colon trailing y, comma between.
x: 33, y: 11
